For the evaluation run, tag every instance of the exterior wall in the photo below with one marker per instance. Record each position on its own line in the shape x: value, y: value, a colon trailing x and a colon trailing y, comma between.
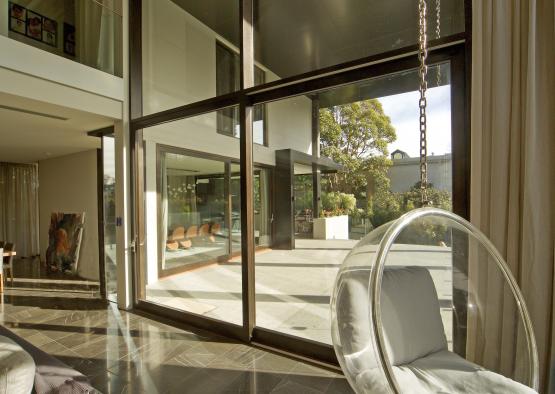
x: 405, y: 173
x: 179, y: 67
x: 69, y: 184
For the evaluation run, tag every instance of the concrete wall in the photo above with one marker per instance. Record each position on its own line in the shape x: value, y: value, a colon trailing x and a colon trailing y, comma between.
x: 69, y: 184
x: 406, y: 172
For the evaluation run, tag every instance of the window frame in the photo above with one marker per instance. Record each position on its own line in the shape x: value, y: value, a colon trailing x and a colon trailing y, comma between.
x: 220, y: 46
x: 455, y: 49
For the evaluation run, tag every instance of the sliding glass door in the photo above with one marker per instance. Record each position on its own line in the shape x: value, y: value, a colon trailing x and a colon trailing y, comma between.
x: 109, y: 216
x: 255, y: 181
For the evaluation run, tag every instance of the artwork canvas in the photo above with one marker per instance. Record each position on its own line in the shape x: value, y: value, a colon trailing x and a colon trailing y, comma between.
x: 69, y: 39
x: 64, y: 241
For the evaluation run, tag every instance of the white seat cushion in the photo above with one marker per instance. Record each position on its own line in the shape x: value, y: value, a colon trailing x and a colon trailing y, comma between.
x: 411, y: 314
x: 17, y: 368
x: 441, y: 372
x: 447, y: 372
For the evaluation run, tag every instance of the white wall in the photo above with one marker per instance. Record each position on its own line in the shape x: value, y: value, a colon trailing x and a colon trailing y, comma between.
x: 179, y: 57
x: 69, y: 184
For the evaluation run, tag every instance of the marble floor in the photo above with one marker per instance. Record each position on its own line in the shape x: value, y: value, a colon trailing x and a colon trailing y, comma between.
x: 124, y: 352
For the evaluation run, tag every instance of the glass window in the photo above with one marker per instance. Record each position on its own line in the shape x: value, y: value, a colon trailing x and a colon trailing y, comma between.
x: 193, y: 219
x: 228, y: 81
x: 366, y: 174
x: 294, y: 37
x: 181, y: 60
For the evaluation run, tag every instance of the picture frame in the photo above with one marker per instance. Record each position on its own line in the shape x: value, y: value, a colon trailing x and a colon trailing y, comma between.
x: 34, y: 25
x: 69, y: 39
x: 18, y: 18
x: 49, y: 31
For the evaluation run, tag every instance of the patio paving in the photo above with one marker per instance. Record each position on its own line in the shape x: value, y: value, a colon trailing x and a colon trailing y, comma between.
x: 293, y: 287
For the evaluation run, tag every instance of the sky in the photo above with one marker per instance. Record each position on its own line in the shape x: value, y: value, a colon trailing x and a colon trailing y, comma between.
x: 404, y: 114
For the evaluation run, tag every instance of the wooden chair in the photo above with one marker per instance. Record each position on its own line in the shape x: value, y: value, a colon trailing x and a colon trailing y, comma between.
x: 215, y: 229
x: 192, y: 232
x: 204, y: 232
x: 7, y: 262
x: 181, y: 238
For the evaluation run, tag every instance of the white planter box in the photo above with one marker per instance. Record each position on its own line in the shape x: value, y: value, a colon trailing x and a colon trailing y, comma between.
x: 334, y: 227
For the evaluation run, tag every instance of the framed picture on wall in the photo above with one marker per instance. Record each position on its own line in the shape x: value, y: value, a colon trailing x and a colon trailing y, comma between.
x: 49, y: 31
x: 34, y: 25
x: 18, y: 18
x: 69, y: 39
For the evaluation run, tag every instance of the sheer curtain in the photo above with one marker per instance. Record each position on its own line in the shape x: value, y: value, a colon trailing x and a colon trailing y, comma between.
x: 19, y: 213
x: 513, y: 152
x: 99, y: 34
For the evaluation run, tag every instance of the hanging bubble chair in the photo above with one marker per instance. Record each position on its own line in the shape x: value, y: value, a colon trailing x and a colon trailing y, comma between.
x: 425, y: 303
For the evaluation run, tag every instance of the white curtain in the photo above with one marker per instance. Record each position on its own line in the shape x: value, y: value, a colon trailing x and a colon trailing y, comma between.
x: 99, y: 34
x: 19, y: 214
x: 513, y: 151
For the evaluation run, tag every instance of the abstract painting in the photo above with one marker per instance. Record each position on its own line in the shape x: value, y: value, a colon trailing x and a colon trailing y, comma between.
x: 64, y: 241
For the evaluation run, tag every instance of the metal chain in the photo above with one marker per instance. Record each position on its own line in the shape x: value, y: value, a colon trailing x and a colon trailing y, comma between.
x: 423, y: 71
x: 438, y: 36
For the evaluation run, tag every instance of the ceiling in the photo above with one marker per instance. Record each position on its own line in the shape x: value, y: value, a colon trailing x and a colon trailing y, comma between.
x: 31, y: 130
x: 183, y: 165
x: 292, y: 37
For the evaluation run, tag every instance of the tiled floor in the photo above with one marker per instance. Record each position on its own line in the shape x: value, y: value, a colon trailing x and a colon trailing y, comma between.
x: 123, y: 352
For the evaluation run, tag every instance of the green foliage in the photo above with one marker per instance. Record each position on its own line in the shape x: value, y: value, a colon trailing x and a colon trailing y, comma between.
x: 386, y: 206
x: 337, y: 203
x: 356, y: 136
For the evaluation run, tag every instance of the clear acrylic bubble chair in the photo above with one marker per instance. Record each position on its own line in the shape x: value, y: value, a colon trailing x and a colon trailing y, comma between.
x: 425, y: 303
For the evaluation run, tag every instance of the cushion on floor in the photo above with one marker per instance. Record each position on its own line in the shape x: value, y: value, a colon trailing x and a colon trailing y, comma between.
x: 17, y: 368
x: 51, y: 375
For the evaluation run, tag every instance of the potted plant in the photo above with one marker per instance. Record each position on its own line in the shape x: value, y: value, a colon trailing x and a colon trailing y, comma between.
x: 333, y: 222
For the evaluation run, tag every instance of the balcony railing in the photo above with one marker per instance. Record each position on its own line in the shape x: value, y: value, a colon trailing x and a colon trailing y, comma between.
x: 86, y: 31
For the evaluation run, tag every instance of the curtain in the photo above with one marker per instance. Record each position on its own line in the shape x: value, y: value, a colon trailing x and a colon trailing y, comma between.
x: 164, y: 212
x: 513, y: 154
x: 99, y: 35
x: 19, y: 213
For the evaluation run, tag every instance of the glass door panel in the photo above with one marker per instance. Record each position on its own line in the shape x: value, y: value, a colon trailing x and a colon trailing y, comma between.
x: 366, y: 174
x: 263, y: 216
x: 109, y: 201
x: 235, y: 202
x: 191, y: 201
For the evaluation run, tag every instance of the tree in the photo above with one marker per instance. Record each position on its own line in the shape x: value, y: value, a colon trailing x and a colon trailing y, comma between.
x: 356, y: 136
x: 386, y: 206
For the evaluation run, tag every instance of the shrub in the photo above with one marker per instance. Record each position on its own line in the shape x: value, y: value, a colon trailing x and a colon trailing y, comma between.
x: 337, y: 203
